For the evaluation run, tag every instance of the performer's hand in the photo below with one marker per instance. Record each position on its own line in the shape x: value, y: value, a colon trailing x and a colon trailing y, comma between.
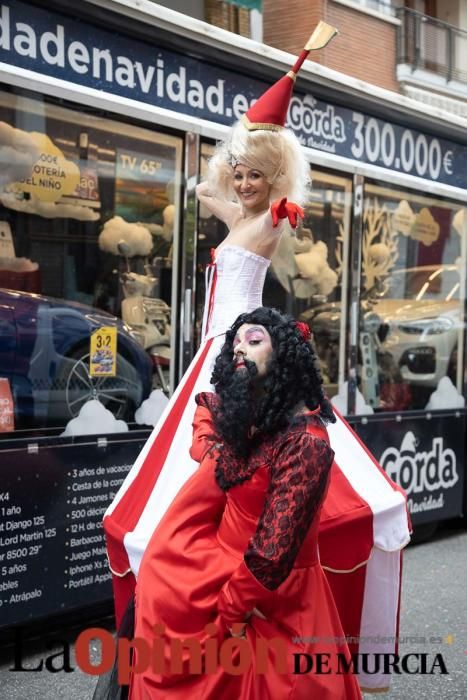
x: 278, y: 210
x: 294, y: 211
x: 282, y: 209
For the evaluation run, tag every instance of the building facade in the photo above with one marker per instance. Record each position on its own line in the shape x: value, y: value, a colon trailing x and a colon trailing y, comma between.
x: 415, y: 47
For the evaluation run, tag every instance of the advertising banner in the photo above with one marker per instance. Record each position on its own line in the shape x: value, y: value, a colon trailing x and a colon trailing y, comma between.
x: 52, y: 551
x: 425, y: 456
x: 73, y: 50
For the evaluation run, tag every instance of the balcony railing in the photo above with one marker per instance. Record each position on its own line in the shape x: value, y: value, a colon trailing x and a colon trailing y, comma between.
x: 384, y: 7
x: 429, y: 44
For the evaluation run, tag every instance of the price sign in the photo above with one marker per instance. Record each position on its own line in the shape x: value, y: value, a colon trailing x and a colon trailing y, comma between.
x: 137, y: 166
x: 103, y: 352
x: 52, y: 548
x: 53, y: 175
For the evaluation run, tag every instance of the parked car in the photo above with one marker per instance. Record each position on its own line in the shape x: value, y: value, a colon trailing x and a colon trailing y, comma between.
x: 419, y: 319
x: 44, y: 352
x: 422, y: 311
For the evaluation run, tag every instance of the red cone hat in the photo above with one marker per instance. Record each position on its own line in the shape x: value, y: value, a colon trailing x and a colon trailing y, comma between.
x: 270, y: 110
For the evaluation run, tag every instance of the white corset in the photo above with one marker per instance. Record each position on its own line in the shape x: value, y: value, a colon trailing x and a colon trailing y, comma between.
x: 238, y: 288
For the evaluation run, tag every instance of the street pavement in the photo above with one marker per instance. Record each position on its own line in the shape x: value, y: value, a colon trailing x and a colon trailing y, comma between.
x: 433, y: 621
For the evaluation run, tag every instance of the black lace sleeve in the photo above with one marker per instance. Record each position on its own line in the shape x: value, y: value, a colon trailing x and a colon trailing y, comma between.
x: 207, y: 399
x: 298, y: 483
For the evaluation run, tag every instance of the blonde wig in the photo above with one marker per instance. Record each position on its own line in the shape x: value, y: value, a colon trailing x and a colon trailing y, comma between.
x: 277, y: 154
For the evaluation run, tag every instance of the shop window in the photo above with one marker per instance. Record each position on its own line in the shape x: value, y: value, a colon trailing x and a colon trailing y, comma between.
x: 412, y: 301
x: 88, y: 224
x: 308, y: 273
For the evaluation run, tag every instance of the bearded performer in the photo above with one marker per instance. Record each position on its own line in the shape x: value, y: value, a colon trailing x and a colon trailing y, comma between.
x: 236, y: 553
x: 252, y: 177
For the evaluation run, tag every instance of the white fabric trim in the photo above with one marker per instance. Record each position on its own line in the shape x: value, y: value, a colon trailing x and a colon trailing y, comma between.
x: 380, y: 602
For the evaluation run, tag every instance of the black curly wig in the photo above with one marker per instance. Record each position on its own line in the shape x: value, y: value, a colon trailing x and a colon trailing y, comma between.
x: 294, y: 376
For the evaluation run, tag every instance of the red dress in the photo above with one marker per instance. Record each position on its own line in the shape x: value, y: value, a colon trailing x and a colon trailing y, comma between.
x: 241, y: 535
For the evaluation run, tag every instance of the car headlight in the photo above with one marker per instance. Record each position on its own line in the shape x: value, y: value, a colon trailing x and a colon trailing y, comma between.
x: 439, y: 325
x: 427, y: 326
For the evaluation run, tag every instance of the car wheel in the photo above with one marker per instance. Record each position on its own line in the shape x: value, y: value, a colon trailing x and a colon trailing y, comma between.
x: 77, y: 387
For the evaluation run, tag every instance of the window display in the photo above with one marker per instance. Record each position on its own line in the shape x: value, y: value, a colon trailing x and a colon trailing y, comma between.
x: 412, y: 302
x: 89, y: 221
x: 308, y: 276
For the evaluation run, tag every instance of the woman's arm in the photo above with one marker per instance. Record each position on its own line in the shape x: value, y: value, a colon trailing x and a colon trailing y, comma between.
x: 224, y: 210
x: 297, y: 488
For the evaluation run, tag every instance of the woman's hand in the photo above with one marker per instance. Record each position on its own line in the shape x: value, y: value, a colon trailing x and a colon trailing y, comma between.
x: 225, y: 211
x: 202, y: 189
x: 282, y: 209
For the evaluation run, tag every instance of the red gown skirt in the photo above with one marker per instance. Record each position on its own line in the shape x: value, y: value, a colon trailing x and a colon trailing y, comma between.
x: 196, y: 548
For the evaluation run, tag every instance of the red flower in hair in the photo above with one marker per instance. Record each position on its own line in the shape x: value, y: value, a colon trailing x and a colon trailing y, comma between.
x: 303, y: 329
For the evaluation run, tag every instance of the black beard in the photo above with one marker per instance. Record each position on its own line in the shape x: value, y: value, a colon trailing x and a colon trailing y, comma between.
x: 236, y: 415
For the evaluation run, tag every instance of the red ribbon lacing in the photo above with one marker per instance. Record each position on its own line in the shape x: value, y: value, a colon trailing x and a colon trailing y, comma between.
x: 212, y: 276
